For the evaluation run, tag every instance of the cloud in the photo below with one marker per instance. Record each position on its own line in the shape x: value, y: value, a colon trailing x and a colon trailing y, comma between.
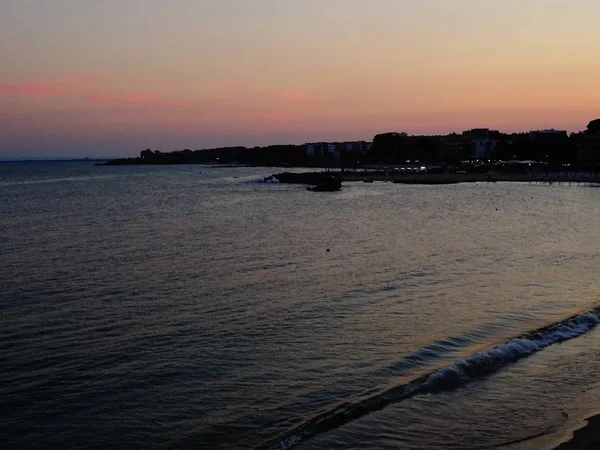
x: 89, y: 87
x: 29, y: 89
x: 58, y: 86
x: 297, y: 98
x: 135, y: 100
x: 296, y: 95
x: 79, y: 79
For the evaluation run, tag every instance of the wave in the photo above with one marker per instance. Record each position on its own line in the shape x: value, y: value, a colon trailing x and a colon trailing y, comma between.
x: 271, y: 179
x: 449, y: 377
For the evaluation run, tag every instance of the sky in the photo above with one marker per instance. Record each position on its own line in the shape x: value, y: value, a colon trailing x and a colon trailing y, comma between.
x: 113, y: 77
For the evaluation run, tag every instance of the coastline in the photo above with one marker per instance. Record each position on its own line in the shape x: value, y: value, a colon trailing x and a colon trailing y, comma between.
x: 432, y: 178
x: 585, y: 438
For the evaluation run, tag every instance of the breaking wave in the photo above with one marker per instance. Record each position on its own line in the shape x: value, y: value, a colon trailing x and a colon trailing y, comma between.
x: 270, y: 179
x: 448, y: 377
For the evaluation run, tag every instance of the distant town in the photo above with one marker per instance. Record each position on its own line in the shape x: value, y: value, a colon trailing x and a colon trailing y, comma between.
x: 475, y: 149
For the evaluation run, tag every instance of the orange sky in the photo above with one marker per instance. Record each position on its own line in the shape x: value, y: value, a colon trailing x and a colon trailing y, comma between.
x: 86, y: 78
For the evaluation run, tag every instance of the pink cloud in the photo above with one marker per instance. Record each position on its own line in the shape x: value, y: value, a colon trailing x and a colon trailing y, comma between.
x: 135, y: 100
x: 85, y: 80
x: 87, y: 87
x: 44, y: 88
x: 29, y: 89
x: 297, y: 96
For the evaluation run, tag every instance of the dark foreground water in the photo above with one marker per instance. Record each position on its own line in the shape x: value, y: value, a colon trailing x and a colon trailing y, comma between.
x: 191, y: 307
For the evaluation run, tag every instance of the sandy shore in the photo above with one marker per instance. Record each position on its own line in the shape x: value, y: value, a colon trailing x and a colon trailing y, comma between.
x: 586, y: 438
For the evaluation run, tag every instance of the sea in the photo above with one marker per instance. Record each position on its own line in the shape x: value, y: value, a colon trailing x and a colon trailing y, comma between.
x: 199, y: 307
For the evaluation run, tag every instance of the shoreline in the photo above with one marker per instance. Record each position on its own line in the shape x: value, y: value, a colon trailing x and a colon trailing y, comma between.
x: 433, y: 178
x: 585, y: 438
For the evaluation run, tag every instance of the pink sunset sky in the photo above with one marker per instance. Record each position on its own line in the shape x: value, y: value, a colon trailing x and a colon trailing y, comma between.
x: 110, y: 78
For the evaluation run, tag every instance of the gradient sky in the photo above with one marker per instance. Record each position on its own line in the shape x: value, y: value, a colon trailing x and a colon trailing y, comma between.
x: 113, y: 77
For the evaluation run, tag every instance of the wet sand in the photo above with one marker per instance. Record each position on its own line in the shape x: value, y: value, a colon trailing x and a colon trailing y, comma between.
x: 586, y: 438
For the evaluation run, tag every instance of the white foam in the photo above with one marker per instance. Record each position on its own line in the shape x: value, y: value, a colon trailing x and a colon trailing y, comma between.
x: 454, y: 375
x: 270, y: 179
x: 490, y: 359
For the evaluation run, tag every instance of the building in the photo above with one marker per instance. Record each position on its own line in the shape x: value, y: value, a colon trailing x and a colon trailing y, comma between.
x: 483, y: 148
x: 548, y: 133
x: 317, y: 149
x: 336, y: 150
x: 483, y: 142
x: 589, y: 148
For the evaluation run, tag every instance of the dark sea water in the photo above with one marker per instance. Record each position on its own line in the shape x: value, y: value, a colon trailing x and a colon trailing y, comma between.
x: 190, y: 307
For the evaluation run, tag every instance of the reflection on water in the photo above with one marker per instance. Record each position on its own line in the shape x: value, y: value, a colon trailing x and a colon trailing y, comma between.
x: 189, y: 308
